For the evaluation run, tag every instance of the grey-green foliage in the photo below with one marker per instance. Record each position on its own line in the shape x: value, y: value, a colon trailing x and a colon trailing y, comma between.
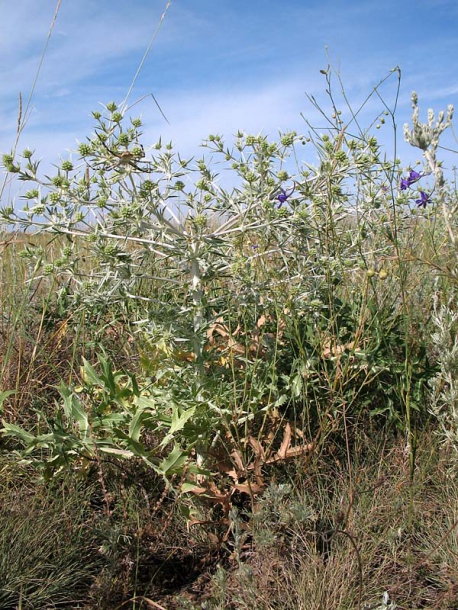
x: 426, y: 135
x: 162, y: 231
x: 444, y: 387
x: 155, y: 224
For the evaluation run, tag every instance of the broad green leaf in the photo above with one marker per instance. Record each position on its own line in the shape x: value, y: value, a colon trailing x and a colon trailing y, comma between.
x: 108, y: 376
x: 174, y: 461
x: 136, y: 424
x: 73, y: 409
x: 143, y: 403
x: 79, y: 415
x: 281, y: 400
x: 4, y: 395
x: 297, y: 385
x: 90, y: 374
x: 66, y: 395
x: 18, y: 432
x: 178, y: 421
x: 188, y: 487
x: 137, y: 448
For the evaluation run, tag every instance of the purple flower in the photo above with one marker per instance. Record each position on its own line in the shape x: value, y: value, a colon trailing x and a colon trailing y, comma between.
x: 404, y: 184
x: 284, y: 195
x: 424, y: 199
x: 413, y: 177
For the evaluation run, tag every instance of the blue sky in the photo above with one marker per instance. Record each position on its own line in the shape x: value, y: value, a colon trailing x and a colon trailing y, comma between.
x: 218, y: 66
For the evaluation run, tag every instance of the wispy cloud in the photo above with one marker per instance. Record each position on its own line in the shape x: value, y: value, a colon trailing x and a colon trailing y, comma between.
x: 218, y: 67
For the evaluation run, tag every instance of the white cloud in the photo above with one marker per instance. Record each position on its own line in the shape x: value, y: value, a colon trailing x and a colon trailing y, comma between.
x: 211, y: 68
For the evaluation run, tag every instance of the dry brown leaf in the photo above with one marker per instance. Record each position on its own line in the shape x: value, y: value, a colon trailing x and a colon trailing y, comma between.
x: 237, y: 457
x: 335, y: 350
x: 286, y: 442
x: 262, y: 320
x: 257, y: 448
x: 299, y: 450
x: 252, y: 489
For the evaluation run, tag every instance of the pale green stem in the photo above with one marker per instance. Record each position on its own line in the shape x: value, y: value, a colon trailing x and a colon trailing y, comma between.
x: 197, y: 296
x: 439, y: 177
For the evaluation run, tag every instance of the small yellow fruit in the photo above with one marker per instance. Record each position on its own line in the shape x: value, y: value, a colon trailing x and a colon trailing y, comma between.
x: 383, y: 274
x: 370, y: 272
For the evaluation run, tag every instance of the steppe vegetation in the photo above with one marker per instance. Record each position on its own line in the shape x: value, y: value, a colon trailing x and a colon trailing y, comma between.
x: 230, y: 398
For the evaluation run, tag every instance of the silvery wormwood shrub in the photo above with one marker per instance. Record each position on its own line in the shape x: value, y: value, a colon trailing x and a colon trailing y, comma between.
x: 444, y: 387
x: 443, y: 395
x: 162, y: 231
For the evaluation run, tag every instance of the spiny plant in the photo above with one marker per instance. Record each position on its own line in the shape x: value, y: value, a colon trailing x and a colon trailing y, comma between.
x: 298, y: 259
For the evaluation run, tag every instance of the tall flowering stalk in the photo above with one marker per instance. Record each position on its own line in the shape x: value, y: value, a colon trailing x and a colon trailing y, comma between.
x: 425, y: 136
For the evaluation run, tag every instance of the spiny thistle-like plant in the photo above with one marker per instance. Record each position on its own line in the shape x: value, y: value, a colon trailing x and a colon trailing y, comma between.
x: 142, y: 221
x: 292, y: 249
x: 159, y: 230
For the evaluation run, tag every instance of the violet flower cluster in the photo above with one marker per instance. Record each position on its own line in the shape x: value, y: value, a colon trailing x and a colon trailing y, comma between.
x: 284, y: 195
x: 407, y: 183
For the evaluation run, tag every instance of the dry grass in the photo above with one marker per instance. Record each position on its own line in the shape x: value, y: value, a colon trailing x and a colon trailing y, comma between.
x: 360, y: 533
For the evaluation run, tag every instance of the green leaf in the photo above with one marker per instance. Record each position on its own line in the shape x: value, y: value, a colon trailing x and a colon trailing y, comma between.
x: 80, y: 415
x: 108, y: 377
x: 136, y: 424
x: 18, y: 432
x: 136, y: 447
x: 90, y: 374
x: 4, y: 395
x: 297, y: 385
x: 176, y: 459
x: 281, y: 400
x: 188, y: 487
x: 66, y: 395
x: 178, y: 421
x: 74, y: 409
x: 144, y: 403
